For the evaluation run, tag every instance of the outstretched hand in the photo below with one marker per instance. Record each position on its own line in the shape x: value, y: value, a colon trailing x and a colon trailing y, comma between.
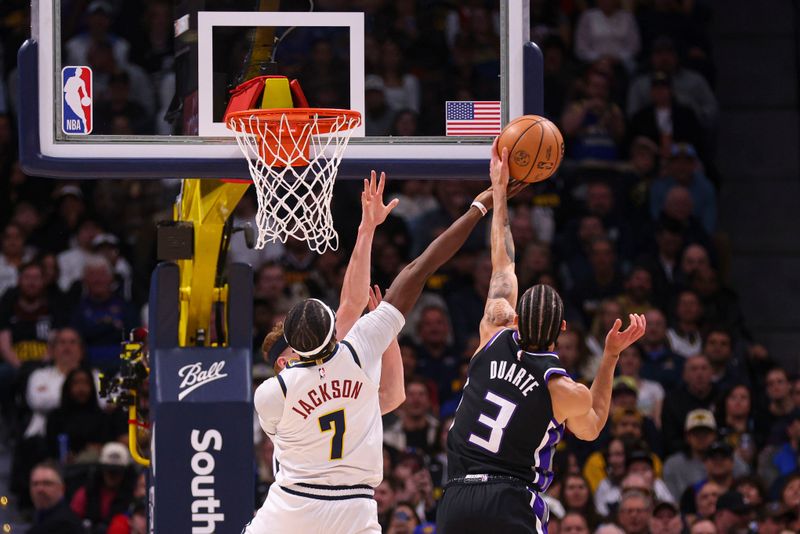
x: 498, y: 166
x: 617, y: 341
x: 373, y: 210
x: 375, y: 297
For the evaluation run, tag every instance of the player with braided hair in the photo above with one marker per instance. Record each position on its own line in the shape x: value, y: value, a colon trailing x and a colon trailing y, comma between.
x: 322, y: 413
x: 518, y: 398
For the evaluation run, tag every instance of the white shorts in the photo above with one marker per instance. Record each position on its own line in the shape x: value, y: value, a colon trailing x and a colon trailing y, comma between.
x: 284, y: 512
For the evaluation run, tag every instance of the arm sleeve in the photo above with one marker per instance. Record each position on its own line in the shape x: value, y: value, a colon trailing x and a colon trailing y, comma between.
x: 269, y: 399
x: 371, y: 335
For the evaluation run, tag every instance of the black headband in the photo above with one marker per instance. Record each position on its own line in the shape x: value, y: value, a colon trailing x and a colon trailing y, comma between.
x: 275, y: 351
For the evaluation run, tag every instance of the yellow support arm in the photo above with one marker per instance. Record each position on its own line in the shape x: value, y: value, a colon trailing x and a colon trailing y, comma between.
x: 207, y: 204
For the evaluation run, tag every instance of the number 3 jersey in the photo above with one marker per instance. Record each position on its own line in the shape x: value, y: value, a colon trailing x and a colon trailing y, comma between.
x: 504, y: 424
x: 324, y: 419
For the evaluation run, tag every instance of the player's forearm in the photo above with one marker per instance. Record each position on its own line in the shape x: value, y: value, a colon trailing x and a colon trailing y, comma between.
x: 355, y: 286
x: 502, y: 241
x: 406, y: 288
x: 601, y: 389
x: 391, y: 392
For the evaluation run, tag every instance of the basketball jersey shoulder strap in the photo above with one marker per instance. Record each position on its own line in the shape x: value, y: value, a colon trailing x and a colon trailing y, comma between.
x: 282, y: 384
x: 352, y: 351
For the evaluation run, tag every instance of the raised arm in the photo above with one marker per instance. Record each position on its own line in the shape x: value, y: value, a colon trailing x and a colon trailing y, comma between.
x: 501, y: 302
x: 586, y: 410
x: 392, y: 389
x: 355, y: 287
x: 407, y: 286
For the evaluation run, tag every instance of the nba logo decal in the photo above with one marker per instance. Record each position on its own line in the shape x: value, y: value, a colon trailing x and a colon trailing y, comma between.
x: 76, y: 100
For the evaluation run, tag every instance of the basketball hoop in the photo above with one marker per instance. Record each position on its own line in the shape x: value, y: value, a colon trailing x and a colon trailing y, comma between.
x: 293, y: 155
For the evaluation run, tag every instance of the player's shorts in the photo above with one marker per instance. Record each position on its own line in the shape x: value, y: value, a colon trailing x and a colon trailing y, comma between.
x: 491, y: 504
x: 317, y: 509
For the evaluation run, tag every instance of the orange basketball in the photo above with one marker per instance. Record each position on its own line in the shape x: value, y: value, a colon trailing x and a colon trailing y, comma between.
x: 535, y: 148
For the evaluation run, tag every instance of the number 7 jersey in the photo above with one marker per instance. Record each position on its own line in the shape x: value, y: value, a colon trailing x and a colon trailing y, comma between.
x: 504, y: 424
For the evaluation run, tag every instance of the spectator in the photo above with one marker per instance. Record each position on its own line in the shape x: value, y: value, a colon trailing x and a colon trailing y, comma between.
x: 719, y: 464
x: 416, y: 198
x: 659, y: 363
x: 416, y: 427
x: 604, y: 281
x: 71, y: 262
x: 697, y: 391
x: 466, y: 304
x: 401, y: 88
x: 694, y: 257
x: 685, y: 467
x: 107, y: 246
x: 52, y: 514
x: 624, y: 395
x: 608, y: 491
x: 689, y: 87
x: 635, y: 512
x: 731, y: 514
x: 790, y: 492
x: 776, y: 519
x: 780, y: 401
x: 639, y: 461
x: 378, y: 116
x: 638, y: 292
x: 573, y: 354
x: 752, y: 490
x: 386, y: 498
x: 607, y: 30
x: 405, y: 124
x: 576, y: 497
x: 120, y: 103
x: 99, y: 17
x: 43, y: 395
x: 77, y: 429
x: 437, y: 358
x: 683, y: 169
x: 593, y: 125
x: 600, y: 202
x: 678, y: 207
x: 685, y: 338
x: 109, y: 490
x: 781, y: 460
x: 642, y: 168
x: 705, y: 501
x: 13, y: 254
x: 536, y: 260
x: 270, y: 286
x: 725, y: 368
x: 737, y: 423
x: 720, y: 304
x: 665, y: 121
x: 403, y: 519
x: 102, y: 318
x: 27, y: 315
x: 703, y: 526
x: 663, y: 263
x: 574, y: 523
x: 650, y: 394
x: 666, y: 519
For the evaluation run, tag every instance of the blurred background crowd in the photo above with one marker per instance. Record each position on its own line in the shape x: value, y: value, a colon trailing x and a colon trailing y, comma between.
x: 704, y: 432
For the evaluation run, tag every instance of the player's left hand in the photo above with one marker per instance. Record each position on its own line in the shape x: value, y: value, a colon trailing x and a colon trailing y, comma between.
x: 617, y: 341
x: 373, y: 210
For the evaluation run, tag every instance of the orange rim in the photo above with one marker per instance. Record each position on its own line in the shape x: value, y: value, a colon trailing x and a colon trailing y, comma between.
x: 328, y: 120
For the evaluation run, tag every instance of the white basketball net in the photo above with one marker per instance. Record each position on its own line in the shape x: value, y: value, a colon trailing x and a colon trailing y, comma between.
x: 294, y: 199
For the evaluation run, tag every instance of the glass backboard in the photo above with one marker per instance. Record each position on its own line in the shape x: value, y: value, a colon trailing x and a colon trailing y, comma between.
x: 139, y: 88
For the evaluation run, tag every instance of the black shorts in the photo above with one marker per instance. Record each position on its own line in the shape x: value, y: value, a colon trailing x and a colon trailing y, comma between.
x: 501, y: 507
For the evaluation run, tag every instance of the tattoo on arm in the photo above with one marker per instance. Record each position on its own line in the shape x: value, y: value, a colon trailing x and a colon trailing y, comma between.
x: 509, y: 242
x: 501, y: 286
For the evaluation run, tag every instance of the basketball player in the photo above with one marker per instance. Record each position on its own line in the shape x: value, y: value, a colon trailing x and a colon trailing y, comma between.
x: 518, y: 398
x: 355, y: 296
x: 322, y: 413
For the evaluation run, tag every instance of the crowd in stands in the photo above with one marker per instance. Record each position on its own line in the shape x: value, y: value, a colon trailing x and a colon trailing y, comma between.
x: 704, y: 431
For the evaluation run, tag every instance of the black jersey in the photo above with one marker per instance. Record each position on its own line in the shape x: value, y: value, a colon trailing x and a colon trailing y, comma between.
x: 504, y: 424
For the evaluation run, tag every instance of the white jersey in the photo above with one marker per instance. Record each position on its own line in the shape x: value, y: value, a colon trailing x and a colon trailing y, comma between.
x: 325, y: 419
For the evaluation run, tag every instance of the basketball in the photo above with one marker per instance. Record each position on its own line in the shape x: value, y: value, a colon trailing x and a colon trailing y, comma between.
x: 535, y: 148
x: 86, y: 101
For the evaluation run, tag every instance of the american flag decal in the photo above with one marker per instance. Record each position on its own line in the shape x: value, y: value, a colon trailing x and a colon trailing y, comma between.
x: 472, y: 118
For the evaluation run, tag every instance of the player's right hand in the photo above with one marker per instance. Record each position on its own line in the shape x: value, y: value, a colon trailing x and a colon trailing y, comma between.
x: 498, y: 167
x: 373, y: 210
x: 617, y: 341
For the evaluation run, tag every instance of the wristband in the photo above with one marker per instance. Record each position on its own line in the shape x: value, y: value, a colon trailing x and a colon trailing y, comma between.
x: 478, y: 204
